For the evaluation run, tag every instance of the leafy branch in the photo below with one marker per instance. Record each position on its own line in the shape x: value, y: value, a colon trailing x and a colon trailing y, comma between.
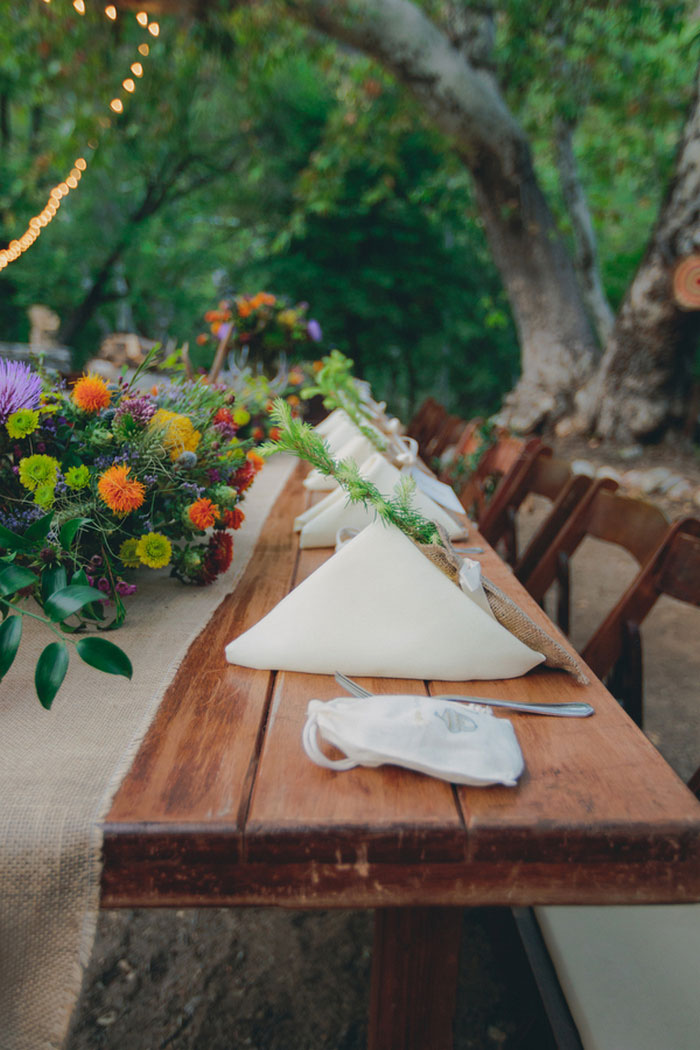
x: 59, y: 599
x: 301, y: 440
x: 336, y: 385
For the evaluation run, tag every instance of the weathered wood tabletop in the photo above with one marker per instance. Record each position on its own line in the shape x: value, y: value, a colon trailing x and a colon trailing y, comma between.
x: 222, y: 806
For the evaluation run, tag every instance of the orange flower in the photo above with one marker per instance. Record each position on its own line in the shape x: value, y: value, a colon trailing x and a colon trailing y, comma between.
x: 202, y: 338
x: 90, y: 393
x: 257, y: 461
x: 258, y: 434
x: 203, y: 513
x: 275, y: 433
x: 121, y: 493
x: 293, y: 400
x: 296, y: 377
x: 233, y: 519
x: 244, y: 308
x: 317, y: 366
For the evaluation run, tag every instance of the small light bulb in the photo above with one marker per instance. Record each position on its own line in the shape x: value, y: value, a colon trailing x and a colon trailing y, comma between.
x: 142, y: 18
x: 81, y: 164
x: 64, y: 186
x: 117, y: 105
x: 137, y: 69
x: 75, y: 174
x: 111, y: 12
x: 128, y: 84
x: 34, y: 223
x: 144, y: 49
x: 72, y: 182
x: 93, y: 144
x: 153, y: 29
x: 79, y: 6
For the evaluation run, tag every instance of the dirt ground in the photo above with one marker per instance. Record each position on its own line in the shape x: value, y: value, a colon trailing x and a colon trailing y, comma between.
x: 279, y: 980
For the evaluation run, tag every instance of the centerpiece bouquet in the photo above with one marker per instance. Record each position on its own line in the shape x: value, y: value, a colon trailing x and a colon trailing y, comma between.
x: 99, y: 480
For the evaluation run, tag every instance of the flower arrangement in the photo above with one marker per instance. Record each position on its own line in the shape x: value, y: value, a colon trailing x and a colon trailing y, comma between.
x: 98, y: 480
x: 269, y: 326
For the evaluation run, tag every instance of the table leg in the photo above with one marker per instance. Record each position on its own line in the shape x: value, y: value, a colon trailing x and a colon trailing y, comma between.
x: 414, y: 978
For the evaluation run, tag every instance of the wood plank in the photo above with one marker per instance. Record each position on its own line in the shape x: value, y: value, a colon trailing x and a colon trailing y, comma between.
x: 198, y: 757
x: 299, y: 809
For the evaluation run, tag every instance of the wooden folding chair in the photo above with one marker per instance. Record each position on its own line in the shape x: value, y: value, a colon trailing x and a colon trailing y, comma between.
x: 544, y: 475
x: 488, y: 489
x: 427, y: 422
x: 448, y: 434
x: 632, y: 524
x: 616, y: 646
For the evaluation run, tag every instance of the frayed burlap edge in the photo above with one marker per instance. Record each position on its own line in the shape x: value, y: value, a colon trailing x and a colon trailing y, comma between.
x: 506, y: 611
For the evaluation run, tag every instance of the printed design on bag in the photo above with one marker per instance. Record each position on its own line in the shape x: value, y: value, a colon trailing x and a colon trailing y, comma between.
x: 455, y: 721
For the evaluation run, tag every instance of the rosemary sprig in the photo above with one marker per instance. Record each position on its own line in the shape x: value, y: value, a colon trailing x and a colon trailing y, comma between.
x: 335, y: 383
x: 301, y: 440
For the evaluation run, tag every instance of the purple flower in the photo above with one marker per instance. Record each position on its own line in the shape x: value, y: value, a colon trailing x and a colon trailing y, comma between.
x: 103, y: 585
x: 19, y: 387
x: 140, y: 407
x: 125, y: 589
x: 213, y: 475
x: 313, y: 330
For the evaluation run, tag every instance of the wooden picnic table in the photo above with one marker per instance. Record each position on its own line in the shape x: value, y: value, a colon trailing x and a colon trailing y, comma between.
x: 222, y: 807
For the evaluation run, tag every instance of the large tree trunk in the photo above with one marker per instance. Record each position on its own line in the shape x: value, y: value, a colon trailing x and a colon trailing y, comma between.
x: 585, y: 243
x: 644, y: 378
x: 462, y: 97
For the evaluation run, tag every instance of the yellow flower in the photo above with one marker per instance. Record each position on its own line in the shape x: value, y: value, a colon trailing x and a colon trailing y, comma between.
x: 38, y: 470
x: 90, y: 393
x: 128, y: 553
x: 154, y: 549
x: 77, y: 477
x: 22, y: 422
x: 179, y: 435
x: 43, y: 497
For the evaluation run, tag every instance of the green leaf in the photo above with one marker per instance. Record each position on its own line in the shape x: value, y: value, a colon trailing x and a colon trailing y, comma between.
x: 50, y: 671
x: 69, y: 530
x: 69, y: 600
x: 52, y: 580
x: 104, y: 655
x: 39, y: 530
x: 12, y: 541
x: 10, y: 634
x: 95, y: 610
x: 14, y: 578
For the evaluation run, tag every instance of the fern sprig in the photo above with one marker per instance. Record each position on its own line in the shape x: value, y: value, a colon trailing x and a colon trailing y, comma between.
x: 301, y: 440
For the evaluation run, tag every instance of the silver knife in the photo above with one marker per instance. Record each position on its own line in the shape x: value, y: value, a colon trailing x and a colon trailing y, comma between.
x: 570, y: 709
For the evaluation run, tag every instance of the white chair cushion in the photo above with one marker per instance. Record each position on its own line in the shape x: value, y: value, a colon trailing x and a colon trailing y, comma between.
x: 631, y: 974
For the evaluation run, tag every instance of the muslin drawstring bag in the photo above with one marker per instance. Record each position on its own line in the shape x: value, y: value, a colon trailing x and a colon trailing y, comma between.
x: 442, y: 738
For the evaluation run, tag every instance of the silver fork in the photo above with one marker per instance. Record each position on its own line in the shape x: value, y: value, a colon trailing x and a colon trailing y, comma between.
x: 570, y: 709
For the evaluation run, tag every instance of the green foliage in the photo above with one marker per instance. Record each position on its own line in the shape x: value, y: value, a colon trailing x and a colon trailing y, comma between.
x: 300, y: 440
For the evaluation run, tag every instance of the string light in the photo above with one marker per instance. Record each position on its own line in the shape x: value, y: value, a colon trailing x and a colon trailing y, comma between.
x: 57, y: 195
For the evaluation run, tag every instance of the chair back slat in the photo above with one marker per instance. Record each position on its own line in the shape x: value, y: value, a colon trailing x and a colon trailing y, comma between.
x: 633, y: 524
x: 679, y: 575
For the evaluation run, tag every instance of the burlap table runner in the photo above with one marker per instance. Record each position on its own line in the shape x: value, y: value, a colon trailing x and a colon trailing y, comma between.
x: 59, y: 771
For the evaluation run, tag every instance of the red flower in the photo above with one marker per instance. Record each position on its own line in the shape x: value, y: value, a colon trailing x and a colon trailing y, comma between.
x: 233, y: 519
x: 217, y: 558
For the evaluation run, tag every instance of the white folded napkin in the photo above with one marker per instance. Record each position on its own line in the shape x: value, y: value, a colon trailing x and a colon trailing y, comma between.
x: 342, y: 431
x: 319, y: 524
x: 357, y: 447
x: 452, y: 741
x: 380, y: 607
x: 329, y: 424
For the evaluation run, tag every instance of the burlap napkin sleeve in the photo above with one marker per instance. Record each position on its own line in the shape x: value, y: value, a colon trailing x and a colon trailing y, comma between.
x: 506, y: 611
